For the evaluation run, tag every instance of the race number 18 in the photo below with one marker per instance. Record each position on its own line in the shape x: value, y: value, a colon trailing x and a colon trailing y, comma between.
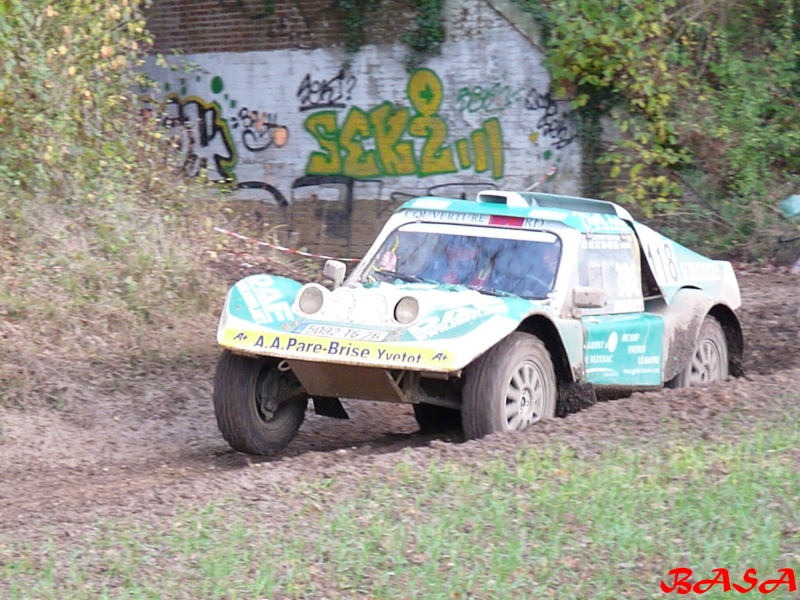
x: 660, y: 253
x: 662, y: 260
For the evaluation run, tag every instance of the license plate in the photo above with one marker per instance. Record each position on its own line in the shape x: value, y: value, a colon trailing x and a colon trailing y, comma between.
x: 345, y: 333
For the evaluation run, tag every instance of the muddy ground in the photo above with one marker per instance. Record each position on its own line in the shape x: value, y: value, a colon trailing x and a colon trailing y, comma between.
x: 143, y: 443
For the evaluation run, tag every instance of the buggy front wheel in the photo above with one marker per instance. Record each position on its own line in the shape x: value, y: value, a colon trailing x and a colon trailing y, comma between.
x: 258, y: 406
x: 509, y: 388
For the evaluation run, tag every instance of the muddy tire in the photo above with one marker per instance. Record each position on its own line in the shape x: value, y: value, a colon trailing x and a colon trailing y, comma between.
x: 436, y: 419
x: 248, y: 395
x: 709, y: 361
x: 509, y: 388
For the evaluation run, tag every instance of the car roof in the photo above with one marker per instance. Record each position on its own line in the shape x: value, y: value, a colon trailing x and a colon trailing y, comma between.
x: 536, y: 209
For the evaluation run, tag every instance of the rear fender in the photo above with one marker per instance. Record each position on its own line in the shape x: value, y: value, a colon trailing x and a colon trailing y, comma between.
x: 674, y: 267
x: 733, y: 335
x: 682, y: 321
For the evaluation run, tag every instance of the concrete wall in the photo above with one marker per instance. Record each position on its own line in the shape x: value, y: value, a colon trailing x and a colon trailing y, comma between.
x: 312, y: 125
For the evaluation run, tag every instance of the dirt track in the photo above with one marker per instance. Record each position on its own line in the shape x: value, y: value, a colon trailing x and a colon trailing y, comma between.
x: 145, y: 444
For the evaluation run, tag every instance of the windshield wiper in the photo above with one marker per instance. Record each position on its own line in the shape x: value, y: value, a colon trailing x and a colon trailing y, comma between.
x: 408, y: 278
x: 491, y: 291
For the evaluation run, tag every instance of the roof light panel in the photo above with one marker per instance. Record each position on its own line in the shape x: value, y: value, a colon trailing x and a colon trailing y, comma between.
x: 504, y: 221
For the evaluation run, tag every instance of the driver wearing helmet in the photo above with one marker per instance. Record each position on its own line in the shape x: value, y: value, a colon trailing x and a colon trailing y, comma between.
x: 460, y: 263
x: 464, y: 264
x: 543, y: 270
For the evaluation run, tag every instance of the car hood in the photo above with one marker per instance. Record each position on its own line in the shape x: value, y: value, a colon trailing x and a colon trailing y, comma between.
x: 356, y: 324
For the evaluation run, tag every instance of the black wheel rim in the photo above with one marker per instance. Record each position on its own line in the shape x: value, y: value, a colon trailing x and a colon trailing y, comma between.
x: 265, y: 401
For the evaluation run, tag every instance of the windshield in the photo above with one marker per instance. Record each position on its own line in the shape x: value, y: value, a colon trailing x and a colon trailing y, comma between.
x: 519, y: 262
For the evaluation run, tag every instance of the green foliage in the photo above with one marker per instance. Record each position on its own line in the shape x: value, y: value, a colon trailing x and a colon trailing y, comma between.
x: 744, y: 123
x: 622, y: 51
x: 96, y: 233
x: 703, y: 98
x: 429, y: 35
x: 426, y: 38
x: 68, y: 69
x: 355, y: 15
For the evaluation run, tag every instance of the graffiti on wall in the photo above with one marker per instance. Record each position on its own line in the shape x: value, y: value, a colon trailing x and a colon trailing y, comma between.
x: 325, y: 138
x: 260, y: 130
x: 492, y: 98
x: 201, y: 136
x: 553, y: 123
x: 353, y: 144
x: 325, y: 93
x: 380, y: 142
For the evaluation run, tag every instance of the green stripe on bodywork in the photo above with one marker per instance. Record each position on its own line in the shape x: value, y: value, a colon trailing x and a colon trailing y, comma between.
x: 263, y: 299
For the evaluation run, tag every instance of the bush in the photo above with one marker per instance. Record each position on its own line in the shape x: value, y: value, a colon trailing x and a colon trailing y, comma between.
x: 704, y: 100
x: 100, y: 246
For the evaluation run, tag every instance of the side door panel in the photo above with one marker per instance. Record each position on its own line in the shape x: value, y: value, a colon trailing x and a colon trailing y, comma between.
x: 623, y: 344
x: 624, y: 349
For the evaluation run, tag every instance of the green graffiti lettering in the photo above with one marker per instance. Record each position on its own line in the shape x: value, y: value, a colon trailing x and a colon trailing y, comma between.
x: 425, y: 92
x: 344, y: 151
x: 479, y: 147
x: 490, y: 98
x: 323, y: 127
x: 396, y: 157
x: 437, y: 157
x: 494, y: 139
x: 357, y: 162
x: 462, y: 150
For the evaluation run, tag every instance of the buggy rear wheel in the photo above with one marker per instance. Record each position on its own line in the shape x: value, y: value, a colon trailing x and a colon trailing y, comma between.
x: 709, y: 361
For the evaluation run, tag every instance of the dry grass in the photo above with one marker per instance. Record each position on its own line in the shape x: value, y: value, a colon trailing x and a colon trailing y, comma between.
x: 113, y: 281
x: 118, y: 281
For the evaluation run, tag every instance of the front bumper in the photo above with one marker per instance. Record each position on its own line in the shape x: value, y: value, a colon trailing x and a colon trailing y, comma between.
x: 444, y: 357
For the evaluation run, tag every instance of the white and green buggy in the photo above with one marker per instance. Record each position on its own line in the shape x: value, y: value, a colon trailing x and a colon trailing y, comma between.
x: 493, y: 314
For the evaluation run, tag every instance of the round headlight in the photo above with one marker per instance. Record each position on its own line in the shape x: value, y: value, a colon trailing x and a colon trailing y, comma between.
x: 406, y: 310
x: 310, y: 300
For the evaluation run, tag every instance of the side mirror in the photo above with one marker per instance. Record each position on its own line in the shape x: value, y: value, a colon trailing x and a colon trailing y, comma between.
x: 588, y: 297
x: 334, y: 270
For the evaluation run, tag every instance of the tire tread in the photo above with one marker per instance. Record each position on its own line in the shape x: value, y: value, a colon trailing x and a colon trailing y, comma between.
x: 238, y: 420
x: 480, y: 415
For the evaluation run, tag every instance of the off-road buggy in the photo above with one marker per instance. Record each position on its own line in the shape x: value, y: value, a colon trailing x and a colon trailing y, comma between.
x: 493, y: 314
